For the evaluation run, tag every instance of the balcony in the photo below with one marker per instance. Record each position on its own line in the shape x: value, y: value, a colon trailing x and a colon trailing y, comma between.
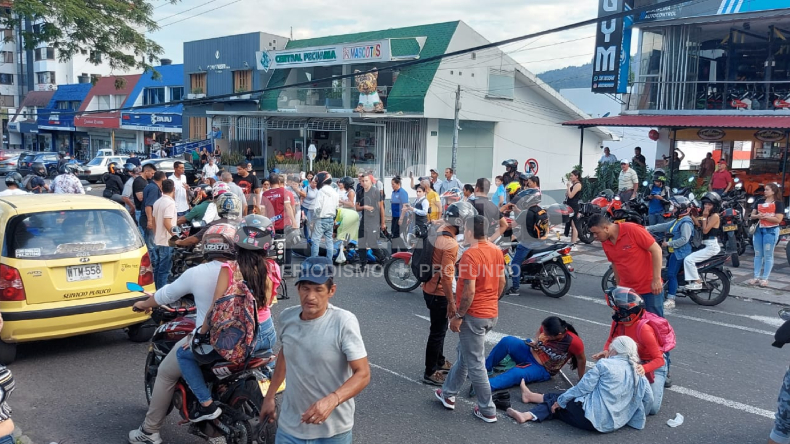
x: 332, y: 99
x: 714, y: 97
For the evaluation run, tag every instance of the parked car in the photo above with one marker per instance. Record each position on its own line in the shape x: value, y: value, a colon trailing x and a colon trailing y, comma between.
x: 50, y: 160
x: 25, y: 159
x: 95, y: 169
x: 166, y: 165
x: 7, y: 154
x: 64, y: 267
x: 9, y: 165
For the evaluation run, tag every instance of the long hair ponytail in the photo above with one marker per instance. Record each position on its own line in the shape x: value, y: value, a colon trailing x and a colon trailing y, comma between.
x: 554, y: 326
x: 252, y: 265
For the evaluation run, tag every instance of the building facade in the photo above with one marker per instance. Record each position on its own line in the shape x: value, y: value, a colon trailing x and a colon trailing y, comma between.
x: 57, y: 120
x: 23, y: 126
x: 100, y: 116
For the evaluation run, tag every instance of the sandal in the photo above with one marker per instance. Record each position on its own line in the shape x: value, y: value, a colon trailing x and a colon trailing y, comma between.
x: 752, y: 281
x: 764, y: 283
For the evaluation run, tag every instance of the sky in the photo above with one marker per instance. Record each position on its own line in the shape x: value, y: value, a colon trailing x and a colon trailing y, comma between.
x: 495, y: 20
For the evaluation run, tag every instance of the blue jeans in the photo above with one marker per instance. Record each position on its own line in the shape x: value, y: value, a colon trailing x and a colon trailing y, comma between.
x: 673, y: 268
x: 527, y: 368
x: 8, y: 439
x: 164, y: 261
x: 148, y: 237
x: 323, y: 229
x: 515, y: 265
x: 308, y: 214
x: 267, y: 336
x: 659, y: 376
x: 764, y: 242
x: 654, y: 303
x: 781, y: 430
x: 139, y: 227
x: 655, y: 218
x: 284, y: 438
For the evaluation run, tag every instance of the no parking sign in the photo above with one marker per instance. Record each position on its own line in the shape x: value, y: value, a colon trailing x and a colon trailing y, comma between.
x: 531, y: 166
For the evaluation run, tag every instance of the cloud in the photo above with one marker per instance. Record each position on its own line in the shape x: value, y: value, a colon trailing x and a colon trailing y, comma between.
x: 495, y: 21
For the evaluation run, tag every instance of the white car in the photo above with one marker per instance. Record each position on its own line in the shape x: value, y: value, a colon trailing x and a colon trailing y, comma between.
x: 95, y: 169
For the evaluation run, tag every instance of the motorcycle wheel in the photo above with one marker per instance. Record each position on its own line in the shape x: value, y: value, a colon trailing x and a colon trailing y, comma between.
x: 741, y: 247
x: 787, y: 252
x: 398, y: 275
x: 608, y: 281
x: 150, y: 376
x: 555, y: 275
x: 584, y: 232
x: 248, y: 400
x: 716, y: 288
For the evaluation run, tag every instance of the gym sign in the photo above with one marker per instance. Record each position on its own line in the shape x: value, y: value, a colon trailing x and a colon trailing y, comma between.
x: 612, y: 45
x: 324, y: 55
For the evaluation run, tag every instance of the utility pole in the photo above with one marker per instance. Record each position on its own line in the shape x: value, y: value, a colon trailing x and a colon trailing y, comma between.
x: 456, y: 124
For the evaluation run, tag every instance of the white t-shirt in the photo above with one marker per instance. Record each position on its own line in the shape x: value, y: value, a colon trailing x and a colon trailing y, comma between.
x: 128, y: 187
x: 12, y: 192
x: 210, y: 170
x: 326, y: 202
x: 182, y: 205
x: 200, y: 281
x: 317, y: 353
x: 164, y: 208
x: 211, y: 213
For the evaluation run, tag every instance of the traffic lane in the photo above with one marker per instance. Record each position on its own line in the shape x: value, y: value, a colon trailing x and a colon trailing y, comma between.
x: 96, y: 189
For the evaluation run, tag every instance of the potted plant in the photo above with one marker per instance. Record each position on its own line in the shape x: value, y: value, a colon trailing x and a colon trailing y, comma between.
x: 197, y: 93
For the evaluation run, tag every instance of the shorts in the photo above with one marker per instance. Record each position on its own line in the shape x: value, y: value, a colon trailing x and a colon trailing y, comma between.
x: 781, y: 430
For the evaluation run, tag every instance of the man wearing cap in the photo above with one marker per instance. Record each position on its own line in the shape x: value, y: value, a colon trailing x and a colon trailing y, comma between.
x: 324, y: 359
x: 721, y: 181
x: 628, y: 182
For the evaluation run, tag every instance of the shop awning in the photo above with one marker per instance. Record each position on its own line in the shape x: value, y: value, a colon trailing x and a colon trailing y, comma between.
x: 688, y: 121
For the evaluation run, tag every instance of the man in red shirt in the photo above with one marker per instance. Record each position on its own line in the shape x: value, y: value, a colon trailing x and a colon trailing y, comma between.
x: 721, y: 182
x: 278, y: 205
x: 636, y: 259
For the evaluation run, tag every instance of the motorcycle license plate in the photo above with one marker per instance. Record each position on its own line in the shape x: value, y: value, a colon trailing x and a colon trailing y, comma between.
x: 264, y: 385
x: 567, y: 260
x: 729, y: 228
x: 508, y: 259
x: 784, y: 231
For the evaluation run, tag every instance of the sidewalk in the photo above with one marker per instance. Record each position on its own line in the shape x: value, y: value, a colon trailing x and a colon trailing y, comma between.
x: 590, y: 260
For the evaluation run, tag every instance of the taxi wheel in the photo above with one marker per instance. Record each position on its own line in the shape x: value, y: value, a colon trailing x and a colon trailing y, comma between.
x: 7, y: 353
x: 141, y: 332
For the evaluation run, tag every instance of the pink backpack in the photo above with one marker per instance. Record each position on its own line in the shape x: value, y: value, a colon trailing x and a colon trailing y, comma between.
x: 664, y: 332
x: 233, y: 320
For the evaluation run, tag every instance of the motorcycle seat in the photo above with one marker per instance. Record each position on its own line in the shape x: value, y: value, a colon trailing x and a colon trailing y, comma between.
x: 717, y: 258
x: 547, y: 247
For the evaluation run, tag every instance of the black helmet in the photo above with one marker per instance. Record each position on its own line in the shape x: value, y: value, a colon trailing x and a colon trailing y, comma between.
x: 680, y: 206
x: 510, y: 164
x: 626, y: 303
x: 322, y: 178
x: 66, y: 168
x: 113, y: 168
x: 218, y: 242
x: 525, y: 199
x: 523, y: 177
x: 38, y: 169
x: 457, y: 213
x: 348, y: 182
x: 713, y: 198
x: 254, y: 233
x: 129, y: 167
x: 13, y: 179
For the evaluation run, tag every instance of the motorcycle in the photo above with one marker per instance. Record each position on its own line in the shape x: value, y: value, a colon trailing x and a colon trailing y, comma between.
x: 185, y: 258
x: 238, y: 388
x: 546, y: 268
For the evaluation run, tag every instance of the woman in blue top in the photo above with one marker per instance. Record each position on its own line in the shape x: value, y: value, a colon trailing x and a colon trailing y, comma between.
x: 679, y: 246
x: 499, y: 195
x: 613, y: 394
x: 659, y: 193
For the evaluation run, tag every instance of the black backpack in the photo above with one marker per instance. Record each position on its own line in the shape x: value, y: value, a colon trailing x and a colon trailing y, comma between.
x: 422, y: 257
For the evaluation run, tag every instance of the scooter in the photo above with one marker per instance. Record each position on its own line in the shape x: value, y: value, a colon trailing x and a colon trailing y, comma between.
x: 546, y: 268
x: 239, y: 389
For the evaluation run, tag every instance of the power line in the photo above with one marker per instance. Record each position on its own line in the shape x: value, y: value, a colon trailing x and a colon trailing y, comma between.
x: 186, y: 10
x: 200, y: 13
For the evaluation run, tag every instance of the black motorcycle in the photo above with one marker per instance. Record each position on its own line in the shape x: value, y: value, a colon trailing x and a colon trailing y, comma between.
x: 546, y: 268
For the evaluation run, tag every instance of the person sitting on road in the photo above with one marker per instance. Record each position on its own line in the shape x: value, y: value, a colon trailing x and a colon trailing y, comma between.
x: 629, y: 309
x: 13, y: 183
x: 679, y: 245
x: 229, y: 209
x: 67, y: 182
x: 613, y: 394
x: 248, y: 246
x: 709, y: 223
x: 199, y: 281
x: 556, y: 342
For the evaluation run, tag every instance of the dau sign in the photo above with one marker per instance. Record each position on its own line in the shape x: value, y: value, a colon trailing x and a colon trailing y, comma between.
x: 325, y: 55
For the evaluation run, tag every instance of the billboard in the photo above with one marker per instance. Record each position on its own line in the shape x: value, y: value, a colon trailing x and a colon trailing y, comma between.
x: 700, y: 8
x: 611, y: 54
x: 345, y: 54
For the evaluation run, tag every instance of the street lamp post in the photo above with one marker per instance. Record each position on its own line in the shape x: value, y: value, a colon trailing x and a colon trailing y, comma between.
x: 311, y: 151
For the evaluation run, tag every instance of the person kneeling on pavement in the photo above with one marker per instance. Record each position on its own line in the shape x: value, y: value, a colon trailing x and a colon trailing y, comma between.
x: 247, y: 269
x: 538, y: 360
x: 613, y: 394
x: 679, y: 245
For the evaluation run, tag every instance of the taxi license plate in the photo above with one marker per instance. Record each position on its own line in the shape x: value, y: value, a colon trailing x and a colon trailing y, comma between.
x: 508, y: 259
x: 264, y: 386
x: 729, y: 228
x: 784, y: 231
x: 567, y: 259
x: 83, y: 273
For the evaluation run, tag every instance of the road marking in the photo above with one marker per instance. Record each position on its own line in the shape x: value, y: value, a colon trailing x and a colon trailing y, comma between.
x: 492, y: 337
x: 773, y: 321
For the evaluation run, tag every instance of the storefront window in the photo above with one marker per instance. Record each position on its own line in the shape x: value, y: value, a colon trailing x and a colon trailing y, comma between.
x: 365, y: 147
x: 62, y: 143
x: 45, y: 142
x: 328, y: 145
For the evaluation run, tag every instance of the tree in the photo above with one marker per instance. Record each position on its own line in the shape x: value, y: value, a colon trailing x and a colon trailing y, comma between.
x: 111, y: 31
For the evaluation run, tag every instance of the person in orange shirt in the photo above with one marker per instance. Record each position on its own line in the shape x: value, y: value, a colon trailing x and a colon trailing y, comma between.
x: 481, y: 279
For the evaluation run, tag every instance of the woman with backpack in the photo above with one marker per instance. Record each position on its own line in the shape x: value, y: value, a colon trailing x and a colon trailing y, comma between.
x: 251, y: 277
x: 613, y: 394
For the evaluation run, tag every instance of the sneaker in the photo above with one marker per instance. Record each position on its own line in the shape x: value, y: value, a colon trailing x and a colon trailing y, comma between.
x: 139, y: 436
x: 752, y: 282
x: 694, y: 286
x: 205, y: 413
x: 437, y: 378
x: 486, y: 418
x: 668, y: 382
x: 448, y: 403
x: 446, y: 367
x: 764, y: 283
x: 669, y: 304
x: 574, y: 248
x: 512, y: 292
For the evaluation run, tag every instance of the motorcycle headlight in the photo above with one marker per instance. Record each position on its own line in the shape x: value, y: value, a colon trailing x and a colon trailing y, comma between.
x: 750, y: 200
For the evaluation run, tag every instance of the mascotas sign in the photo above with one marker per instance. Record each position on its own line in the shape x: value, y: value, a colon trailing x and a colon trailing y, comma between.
x: 612, y: 48
x: 344, y: 54
x: 151, y: 122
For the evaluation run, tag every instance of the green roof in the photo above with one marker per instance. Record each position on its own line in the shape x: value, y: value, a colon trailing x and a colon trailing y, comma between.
x: 408, y: 92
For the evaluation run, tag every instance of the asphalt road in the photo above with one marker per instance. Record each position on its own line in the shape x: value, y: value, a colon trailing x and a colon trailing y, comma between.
x: 89, y: 389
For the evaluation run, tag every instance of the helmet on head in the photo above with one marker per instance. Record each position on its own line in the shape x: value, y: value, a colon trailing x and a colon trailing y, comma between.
x: 13, y: 179
x: 712, y: 198
x: 348, y: 182
x: 452, y: 195
x: 113, y: 168
x: 626, y: 303
x: 221, y: 188
x: 680, y: 206
x: 66, y: 168
x: 510, y: 164
x: 527, y: 198
x: 322, y: 178
x: 39, y: 169
x: 218, y: 242
x: 228, y: 206
x: 254, y: 233
x: 512, y: 188
x: 457, y: 213
x: 661, y: 179
x: 523, y: 177
x: 129, y: 167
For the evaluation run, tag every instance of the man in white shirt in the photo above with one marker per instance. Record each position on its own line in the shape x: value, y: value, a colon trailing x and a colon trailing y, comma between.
x: 164, y: 214
x: 324, y: 210
x: 235, y: 189
x: 210, y: 169
x: 628, y: 181
x: 182, y: 189
x: 128, y: 189
x: 13, y: 182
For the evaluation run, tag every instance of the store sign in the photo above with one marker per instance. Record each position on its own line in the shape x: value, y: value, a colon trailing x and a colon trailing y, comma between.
x: 325, y: 55
x: 711, y: 134
x: 769, y: 135
x: 610, y: 56
x: 151, y: 122
x: 701, y: 8
x: 96, y: 122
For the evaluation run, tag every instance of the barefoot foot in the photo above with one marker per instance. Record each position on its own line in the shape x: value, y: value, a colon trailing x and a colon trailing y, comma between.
x: 520, y: 417
x: 525, y: 393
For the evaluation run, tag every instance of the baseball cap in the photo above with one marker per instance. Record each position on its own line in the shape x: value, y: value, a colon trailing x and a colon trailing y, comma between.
x: 624, y: 161
x: 316, y: 270
x: 722, y: 161
x: 433, y: 170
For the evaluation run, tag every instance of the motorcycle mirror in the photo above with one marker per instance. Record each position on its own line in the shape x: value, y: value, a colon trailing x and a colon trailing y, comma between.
x: 750, y: 200
x: 175, y: 229
x: 137, y: 288
x: 738, y: 186
x: 674, y: 190
x: 785, y: 314
x: 691, y: 196
x: 644, y: 184
x: 736, y: 180
x: 691, y: 179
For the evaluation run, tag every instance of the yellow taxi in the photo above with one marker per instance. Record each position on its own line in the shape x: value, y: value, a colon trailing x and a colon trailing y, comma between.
x: 64, y: 266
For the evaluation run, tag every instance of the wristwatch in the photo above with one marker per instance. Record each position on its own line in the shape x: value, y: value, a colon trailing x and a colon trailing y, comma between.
x: 458, y: 315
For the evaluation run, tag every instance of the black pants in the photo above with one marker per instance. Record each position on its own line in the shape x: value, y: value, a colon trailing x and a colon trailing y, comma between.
x: 397, y: 242
x: 434, y: 356
x: 572, y: 220
x: 287, y: 263
x: 572, y: 414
